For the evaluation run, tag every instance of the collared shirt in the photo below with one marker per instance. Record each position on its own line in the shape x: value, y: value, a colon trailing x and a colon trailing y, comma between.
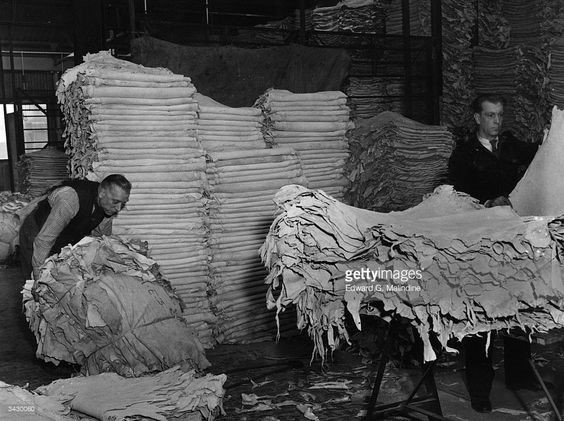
x: 64, y: 207
x: 487, y: 143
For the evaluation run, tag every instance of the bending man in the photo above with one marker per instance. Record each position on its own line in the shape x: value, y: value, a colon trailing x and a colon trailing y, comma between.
x: 70, y: 212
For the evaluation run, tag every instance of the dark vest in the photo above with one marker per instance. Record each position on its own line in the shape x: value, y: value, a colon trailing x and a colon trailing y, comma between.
x: 84, y: 221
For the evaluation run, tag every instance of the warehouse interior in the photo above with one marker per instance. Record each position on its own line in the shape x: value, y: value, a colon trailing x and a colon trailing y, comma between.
x: 279, y: 154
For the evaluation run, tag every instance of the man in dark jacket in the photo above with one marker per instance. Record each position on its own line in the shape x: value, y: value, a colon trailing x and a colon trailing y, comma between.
x: 490, y: 163
x: 70, y: 212
x: 488, y: 166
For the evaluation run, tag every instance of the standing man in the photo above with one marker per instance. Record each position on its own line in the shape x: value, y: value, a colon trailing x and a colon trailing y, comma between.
x: 490, y: 163
x: 70, y: 212
x: 488, y: 166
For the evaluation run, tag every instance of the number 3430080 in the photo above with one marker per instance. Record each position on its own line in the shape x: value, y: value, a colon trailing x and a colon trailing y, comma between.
x: 21, y: 408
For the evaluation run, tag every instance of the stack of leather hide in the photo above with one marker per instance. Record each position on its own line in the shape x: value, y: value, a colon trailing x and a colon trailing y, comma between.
x: 458, y: 22
x: 364, y: 16
x: 10, y: 204
x: 241, y: 210
x: 314, y: 125
x: 448, y: 265
x: 419, y: 18
x: 395, y: 161
x: 141, y: 122
x: 41, y: 170
x: 171, y: 394
x: 226, y: 128
x: 104, y: 305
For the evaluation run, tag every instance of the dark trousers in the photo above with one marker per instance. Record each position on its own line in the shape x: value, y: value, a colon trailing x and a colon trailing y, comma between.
x: 479, y: 369
x: 28, y: 232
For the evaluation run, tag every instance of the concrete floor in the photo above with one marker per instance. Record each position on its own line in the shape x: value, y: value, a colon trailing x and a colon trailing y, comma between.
x: 270, y: 381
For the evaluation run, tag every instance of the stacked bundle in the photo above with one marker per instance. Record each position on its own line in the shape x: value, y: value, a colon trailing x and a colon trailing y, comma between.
x: 419, y: 17
x: 458, y: 21
x: 531, y: 104
x: 173, y: 394
x: 501, y: 63
x: 524, y: 19
x: 223, y: 128
x: 363, y: 16
x: 550, y: 21
x: 242, y: 186
x: 291, y: 23
x: 395, y: 161
x: 9, y: 229
x: 371, y: 95
x: 104, y: 305
x: 13, y: 202
x: 493, y: 29
x: 38, y: 171
x: 314, y: 125
x: 517, y: 74
x: 551, y: 16
x: 126, y: 118
x: 308, y: 19
x: 555, y: 73
x: 513, y: 63
x: 494, y: 71
x: 10, y: 205
x: 449, y: 268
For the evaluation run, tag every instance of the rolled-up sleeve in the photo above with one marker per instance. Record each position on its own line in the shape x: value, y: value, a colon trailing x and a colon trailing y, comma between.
x: 64, y: 207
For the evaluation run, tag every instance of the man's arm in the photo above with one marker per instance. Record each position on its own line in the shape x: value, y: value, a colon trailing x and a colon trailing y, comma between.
x: 64, y: 207
x: 459, y: 171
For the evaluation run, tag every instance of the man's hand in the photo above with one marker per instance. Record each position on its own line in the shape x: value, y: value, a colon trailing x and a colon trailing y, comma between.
x: 498, y: 201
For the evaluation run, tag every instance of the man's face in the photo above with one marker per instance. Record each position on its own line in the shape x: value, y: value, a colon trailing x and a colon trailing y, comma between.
x: 112, y: 199
x: 489, y: 120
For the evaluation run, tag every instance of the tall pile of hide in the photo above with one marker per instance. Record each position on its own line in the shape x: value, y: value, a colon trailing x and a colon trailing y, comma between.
x: 10, y: 204
x: 241, y: 210
x: 40, y: 170
x: 170, y: 395
x: 510, y: 60
x: 125, y: 118
x: 448, y: 265
x: 458, y: 21
x: 503, y: 64
x: 364, y: 16
x: 555, y: 72
x: 314, y: 124
x: 395, y: 161
x: 226, y: 128
x: 524, y: 20
x: 419, y: 18
x: 103, y: 304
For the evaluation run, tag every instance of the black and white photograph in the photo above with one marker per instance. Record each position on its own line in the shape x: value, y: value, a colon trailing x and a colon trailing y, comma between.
x: 281, y: 210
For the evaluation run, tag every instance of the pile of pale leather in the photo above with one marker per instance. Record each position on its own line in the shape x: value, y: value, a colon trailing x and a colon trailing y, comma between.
x: 171, y: 394
x: 455, y: 268
x: 314, y: 124
x: 103, y: 304
x: 10, y: 222
x: 40, y: 170
x: 394, y: 161
x: 141, y: 122
x: 242, y: 185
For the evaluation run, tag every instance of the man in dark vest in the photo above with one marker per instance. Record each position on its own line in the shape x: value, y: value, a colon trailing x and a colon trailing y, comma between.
x: 488, y: 166
x: 70, y: 212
